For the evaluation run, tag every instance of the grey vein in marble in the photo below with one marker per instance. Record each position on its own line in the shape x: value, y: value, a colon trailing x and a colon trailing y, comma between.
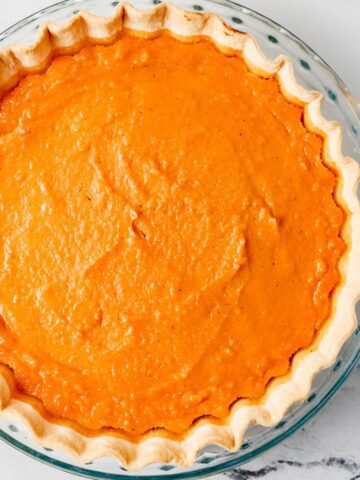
x: 340, y: 463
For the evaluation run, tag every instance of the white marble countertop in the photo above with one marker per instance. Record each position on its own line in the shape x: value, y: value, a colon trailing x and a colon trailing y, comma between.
x: 329, y: 446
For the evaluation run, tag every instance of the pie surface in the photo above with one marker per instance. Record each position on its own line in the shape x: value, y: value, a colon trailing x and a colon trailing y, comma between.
x: 169, y: 233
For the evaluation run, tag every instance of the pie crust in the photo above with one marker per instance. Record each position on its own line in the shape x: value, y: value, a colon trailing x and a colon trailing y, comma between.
x: 157, y: 445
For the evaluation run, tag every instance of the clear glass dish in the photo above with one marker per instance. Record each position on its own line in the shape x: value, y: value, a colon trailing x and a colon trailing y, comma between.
x: 339, y: 105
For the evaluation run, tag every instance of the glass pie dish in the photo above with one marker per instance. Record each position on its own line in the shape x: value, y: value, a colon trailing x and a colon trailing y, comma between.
x: 338, y: 105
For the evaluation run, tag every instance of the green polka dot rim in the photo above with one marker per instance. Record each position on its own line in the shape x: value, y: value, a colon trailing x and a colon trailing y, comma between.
x: 246, y: 444
x: 304, y: 64
x: 311, y: 397
x: 237, y: 20
x: 331, y: 94
x: 273, y: 39
x: 337, y: 365
x: 206, y: 460
x: 280, y: 424
x: 313, y: 73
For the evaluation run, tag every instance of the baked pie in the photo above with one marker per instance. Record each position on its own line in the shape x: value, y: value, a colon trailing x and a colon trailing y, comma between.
x: 179, y: 231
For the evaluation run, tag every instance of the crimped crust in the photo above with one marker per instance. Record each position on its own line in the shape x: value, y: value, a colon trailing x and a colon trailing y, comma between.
x: 157, y: 446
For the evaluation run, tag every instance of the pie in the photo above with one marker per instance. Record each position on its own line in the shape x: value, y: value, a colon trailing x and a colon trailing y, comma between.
x: 178, y: 229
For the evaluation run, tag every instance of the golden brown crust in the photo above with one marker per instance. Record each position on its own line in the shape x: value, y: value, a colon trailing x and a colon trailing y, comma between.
x: 157, y: 446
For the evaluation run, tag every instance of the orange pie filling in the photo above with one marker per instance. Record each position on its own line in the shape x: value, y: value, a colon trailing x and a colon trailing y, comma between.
x: 169, y: 234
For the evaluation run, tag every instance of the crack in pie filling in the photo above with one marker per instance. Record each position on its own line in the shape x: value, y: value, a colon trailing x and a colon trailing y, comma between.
x: 169, y: 234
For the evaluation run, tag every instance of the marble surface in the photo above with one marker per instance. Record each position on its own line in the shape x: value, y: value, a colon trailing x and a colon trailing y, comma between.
x: 329, y: 446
